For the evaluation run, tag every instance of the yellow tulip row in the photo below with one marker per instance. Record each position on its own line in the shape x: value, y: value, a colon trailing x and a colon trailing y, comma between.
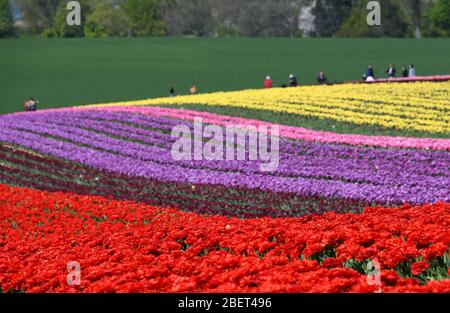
x: 410, y: 106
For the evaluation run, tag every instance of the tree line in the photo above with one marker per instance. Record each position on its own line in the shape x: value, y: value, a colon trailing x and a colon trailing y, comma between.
x: 221, y: 18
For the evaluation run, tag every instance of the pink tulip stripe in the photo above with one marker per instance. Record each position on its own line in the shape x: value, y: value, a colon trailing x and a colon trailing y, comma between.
x: 290, y: 132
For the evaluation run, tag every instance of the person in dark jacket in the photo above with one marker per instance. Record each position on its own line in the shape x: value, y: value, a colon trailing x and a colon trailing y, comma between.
x: 391, y: 71
x: 293, y: 81
x: 370, y: 72
x: 405, y: 72
x: 322, y: 78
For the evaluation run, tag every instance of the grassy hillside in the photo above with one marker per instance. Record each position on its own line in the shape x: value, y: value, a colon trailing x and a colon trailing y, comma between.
x: 81, y: 71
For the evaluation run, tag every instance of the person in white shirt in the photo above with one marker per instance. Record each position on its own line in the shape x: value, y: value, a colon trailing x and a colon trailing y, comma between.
x: 391, y: 71
x: 412, y: 71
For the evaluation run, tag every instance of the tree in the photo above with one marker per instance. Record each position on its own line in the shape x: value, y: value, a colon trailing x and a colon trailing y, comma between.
x: 329, y: 16
x: 145, y: 16
x: 190, y: 17
x: 415, y: 10
x: 38, y: 15
x: 440, y: 19
x: 6, y: 19
x: 226, y: 13
x: 415, y: 6
x: 251, y: 22
x: 60, y: 28
x: 106, y: 20
x: 393, y: 22
x: 277, y: 18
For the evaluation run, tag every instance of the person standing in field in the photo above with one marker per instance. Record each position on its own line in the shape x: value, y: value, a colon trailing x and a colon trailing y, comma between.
x: 268, y: 83
x: 30, y: 104
x: 321, y: 78
x: 370, y: 72
x: 412, y: 71
x: 193, y: 90
x: 293, y: 81
x: 391, y: 71
x: 172, y: 91
x: 405, y: 72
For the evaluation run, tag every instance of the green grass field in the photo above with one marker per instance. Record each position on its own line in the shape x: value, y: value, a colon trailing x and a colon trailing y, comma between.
x: 68, y: 72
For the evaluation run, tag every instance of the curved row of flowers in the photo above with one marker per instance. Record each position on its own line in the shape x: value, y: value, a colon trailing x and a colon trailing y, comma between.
x: 414, y: 106
x: 129, y: 247
x: 139, y: 145
x: 297, y: 133
x: 291, y: 132
x: 26, y: 168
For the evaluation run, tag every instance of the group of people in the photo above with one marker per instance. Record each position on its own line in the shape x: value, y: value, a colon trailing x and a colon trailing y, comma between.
x: 322, y: 79
x: 293, y: 81
x: 391, y: 71
x: 192, y: 90
x: 30, y: 104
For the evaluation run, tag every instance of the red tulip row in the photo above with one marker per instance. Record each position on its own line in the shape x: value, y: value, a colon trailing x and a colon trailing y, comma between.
x: 129, y: 247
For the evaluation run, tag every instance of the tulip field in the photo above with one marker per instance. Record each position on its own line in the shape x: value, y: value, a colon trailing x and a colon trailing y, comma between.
x: 361, y: 205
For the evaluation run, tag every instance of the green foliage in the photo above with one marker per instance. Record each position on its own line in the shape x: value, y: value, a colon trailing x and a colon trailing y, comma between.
x: 230, y: 18
x: 106, y: 21
x: 266, y: 18
x: 269, y: 19
x: 226, y: 30
x: 439, y: 20
x: 60, y: 27
x: 100, y: 18
x: 223, y: 18
x: 191, y: 18
x: 145, y: 16
x: 38, y: 15
x: 393, y: 22
x: 6, y: 20
x: 329, y: 16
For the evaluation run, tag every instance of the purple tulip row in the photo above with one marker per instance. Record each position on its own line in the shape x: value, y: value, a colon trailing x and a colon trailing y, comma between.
x: 351, y: 159
x: 306, y: 168
x: 317, y: 150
